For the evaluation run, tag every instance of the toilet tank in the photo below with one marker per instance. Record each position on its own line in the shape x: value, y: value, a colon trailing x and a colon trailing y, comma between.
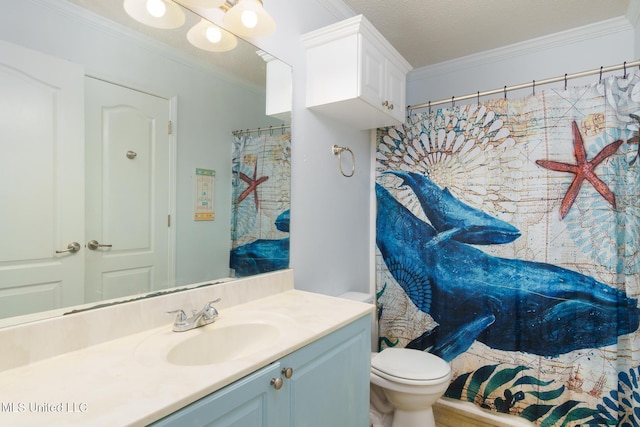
x: 358, y: 296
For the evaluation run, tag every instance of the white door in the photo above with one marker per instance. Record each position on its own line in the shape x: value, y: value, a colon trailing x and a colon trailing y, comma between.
x: 127, y: 191
x: 41, y: 181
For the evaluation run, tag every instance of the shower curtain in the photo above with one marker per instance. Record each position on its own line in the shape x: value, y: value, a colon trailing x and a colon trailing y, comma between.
x: 261, y: 168
x: 507, y: 236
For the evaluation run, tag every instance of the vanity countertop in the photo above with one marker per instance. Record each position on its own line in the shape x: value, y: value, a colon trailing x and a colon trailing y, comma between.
x: 125, y: 381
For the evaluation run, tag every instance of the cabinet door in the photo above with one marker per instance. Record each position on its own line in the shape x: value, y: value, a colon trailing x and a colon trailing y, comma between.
x: 395, y: 94
x: 372, y: 78
x: 330, y: 381
x: 249, y: 402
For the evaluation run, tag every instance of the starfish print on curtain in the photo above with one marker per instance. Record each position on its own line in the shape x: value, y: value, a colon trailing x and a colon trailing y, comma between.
x: 252, y: 184
x: 583, y: 169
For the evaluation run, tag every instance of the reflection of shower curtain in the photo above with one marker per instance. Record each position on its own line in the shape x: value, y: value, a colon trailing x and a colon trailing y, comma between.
x: 260, y: 203
x: 508, y: 244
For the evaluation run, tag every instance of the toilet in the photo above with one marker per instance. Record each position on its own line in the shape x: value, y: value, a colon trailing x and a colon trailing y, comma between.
x: 411, y: 381
x: 405, y: 383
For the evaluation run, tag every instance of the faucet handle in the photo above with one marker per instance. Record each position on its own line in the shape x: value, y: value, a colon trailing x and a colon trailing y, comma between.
x: 181, y: 317
x: 210, y: 311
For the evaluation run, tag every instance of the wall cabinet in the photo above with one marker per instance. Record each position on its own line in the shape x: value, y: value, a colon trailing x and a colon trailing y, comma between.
x: 279, y: 87
x: 325, y: 383
x: 355, y: 75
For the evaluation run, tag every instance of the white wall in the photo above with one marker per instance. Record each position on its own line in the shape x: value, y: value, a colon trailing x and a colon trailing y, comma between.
x: 329, y: 213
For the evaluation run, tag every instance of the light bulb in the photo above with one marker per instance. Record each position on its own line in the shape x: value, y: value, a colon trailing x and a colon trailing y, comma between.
x: 249, y: 18
x: 156, y: 8
x: 213, y: 34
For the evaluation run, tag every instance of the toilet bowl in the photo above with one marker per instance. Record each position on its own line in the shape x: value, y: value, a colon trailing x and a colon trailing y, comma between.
x: 405, y: 383
x: 411, y: 381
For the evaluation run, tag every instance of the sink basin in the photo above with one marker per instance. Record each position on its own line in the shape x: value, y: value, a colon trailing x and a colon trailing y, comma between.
x: 217, y: 343
x: 235, y: 336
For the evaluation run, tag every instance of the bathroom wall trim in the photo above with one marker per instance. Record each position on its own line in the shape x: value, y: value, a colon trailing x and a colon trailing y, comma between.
x: 338, y: 8
x: 528, y: 47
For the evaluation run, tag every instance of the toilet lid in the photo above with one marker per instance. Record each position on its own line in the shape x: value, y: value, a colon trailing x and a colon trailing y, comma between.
x: 410, y: 364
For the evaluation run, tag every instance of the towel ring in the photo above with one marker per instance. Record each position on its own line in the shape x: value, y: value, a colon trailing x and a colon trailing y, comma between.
x: 338, y: 151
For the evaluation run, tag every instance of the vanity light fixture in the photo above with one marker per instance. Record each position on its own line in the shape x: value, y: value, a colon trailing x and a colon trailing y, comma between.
x: 203, y: 4
x: 243, y: 17
x: 248, y: 18
x: 208, y: 36
x: 155, y: 13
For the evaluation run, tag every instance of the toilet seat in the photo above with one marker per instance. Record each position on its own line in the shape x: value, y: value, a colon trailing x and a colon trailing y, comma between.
x: 409, y: 366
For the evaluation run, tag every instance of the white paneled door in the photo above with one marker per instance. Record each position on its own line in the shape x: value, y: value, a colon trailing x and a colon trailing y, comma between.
x: 127, y: 191
x: 41, y: 182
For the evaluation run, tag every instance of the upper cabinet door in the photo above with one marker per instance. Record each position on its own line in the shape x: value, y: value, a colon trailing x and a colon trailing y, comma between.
x: 354, y: 75
x: 372, y: 73
x: 396, y: 91
x: 41, y: 182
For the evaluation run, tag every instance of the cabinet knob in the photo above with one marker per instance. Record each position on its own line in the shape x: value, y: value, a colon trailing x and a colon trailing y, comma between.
x: 385, y: 104
x: 287, y: 372
x: 276, y: 383
x: 390, y: 106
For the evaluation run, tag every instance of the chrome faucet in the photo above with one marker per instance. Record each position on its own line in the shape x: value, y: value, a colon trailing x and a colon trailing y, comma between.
x: 203, y: 317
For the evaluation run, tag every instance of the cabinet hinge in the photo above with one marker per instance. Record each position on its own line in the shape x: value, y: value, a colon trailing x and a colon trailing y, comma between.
x: 170, y: 127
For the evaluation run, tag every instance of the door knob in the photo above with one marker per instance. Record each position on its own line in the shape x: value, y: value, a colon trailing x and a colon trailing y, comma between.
x: 72, y: 247
x: 93, y: 245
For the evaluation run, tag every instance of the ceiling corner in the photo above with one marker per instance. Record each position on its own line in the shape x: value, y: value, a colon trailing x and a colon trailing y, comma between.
x: 633, y: 12
x: 340, y: 9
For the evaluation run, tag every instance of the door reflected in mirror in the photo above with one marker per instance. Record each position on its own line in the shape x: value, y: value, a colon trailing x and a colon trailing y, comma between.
x: 104, y: 126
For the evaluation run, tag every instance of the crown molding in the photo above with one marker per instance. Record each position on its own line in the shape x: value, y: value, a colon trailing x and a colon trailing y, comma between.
x: 586, y: 32
x: 337, y: 8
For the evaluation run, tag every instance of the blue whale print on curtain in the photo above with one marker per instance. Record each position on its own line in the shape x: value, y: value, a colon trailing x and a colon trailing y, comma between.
x: 507, y: 239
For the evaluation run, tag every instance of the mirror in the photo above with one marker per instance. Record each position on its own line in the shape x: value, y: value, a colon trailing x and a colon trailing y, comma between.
x: 166, y: 182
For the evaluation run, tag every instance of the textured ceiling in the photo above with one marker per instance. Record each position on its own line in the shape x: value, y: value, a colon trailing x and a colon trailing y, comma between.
x: 427, y: 32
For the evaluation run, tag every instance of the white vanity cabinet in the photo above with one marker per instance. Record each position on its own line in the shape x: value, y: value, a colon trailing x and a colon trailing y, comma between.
x: 325, y: 383
x: 355, y: 75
